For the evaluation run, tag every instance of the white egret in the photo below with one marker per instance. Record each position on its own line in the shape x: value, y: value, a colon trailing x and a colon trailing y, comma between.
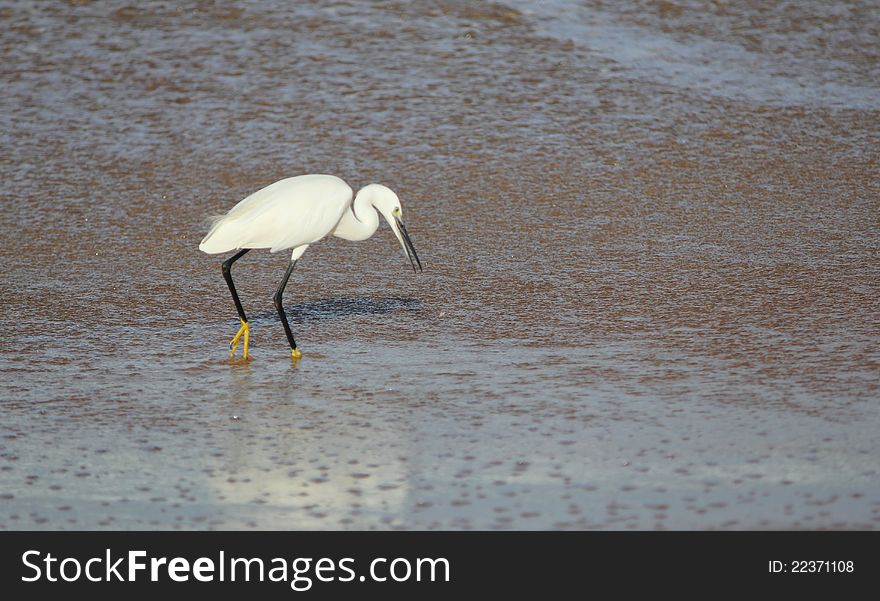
x: 296, y: 212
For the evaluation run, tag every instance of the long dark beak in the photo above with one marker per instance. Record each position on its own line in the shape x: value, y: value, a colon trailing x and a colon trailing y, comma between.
x: 408, y: 246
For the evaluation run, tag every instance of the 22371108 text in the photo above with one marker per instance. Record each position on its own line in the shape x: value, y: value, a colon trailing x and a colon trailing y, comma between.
x: 825, y: 566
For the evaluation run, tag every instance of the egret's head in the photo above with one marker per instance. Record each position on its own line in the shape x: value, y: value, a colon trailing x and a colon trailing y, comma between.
x: 387, y: 203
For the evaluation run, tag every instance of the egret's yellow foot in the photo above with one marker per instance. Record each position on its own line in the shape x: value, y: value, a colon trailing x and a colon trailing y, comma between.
x: 243, y: 332
x: 295, y: 354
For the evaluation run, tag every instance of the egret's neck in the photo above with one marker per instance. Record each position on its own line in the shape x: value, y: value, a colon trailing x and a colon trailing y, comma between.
x: 360, y: 221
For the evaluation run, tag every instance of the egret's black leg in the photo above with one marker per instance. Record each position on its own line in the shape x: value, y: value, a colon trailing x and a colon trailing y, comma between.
x: 244, y: 330
x: 295, y: 352
x: 227, y: 275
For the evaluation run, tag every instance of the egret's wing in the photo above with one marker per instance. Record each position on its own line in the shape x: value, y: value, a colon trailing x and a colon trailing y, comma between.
x: 290, y: 212
x: 304, y: 219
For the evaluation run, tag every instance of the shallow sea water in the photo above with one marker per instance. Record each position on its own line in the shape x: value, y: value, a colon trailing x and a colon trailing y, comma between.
x: 651, y: 248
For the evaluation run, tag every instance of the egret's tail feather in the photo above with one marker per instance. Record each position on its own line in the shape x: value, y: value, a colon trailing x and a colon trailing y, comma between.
x: 212, y: 220
x: 209, y: 246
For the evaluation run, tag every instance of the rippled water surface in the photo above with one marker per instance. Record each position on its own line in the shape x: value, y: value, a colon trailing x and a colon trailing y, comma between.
x: 651, y: 237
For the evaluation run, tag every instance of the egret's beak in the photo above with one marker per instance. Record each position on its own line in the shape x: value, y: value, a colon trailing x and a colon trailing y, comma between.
x: 408, y: 245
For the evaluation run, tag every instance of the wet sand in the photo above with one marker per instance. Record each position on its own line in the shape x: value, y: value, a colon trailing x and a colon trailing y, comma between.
x: 651, y: 247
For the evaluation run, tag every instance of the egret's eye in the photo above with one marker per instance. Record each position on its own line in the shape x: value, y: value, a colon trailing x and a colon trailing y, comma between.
x: 396, y: 212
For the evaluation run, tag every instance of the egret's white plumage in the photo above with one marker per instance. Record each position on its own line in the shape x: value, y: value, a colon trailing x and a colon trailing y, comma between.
x: 296, y: 212
x: 289, y: 213
x: 301, y: 210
